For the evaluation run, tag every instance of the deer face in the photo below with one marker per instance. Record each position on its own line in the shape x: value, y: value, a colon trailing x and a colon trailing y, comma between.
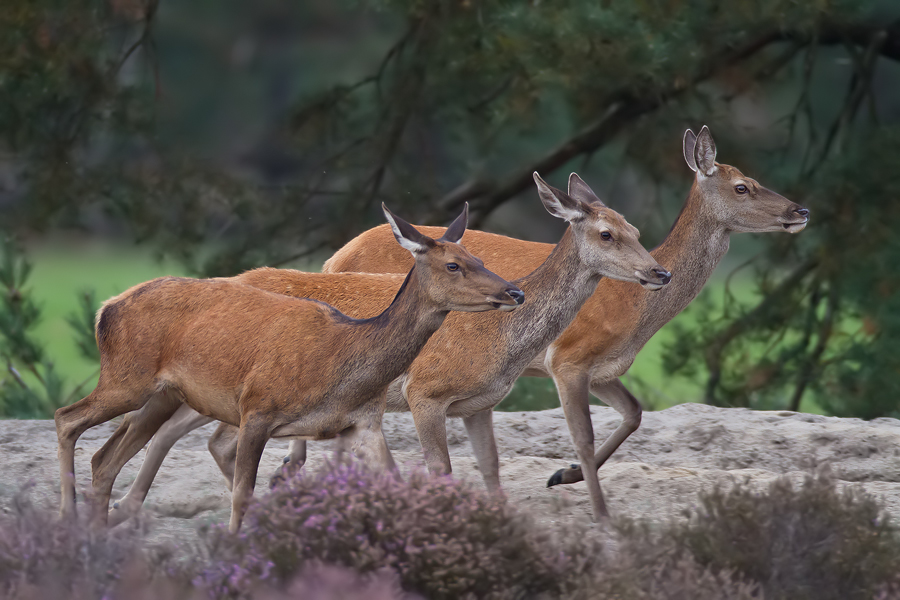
x: 736, y: 201
x: 451, y: 276
x: 606, y: 241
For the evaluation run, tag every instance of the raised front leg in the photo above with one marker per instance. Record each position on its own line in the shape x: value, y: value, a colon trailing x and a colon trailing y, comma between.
x: 292, y: 463
x: 573, y: 395
x: 616, y: 395
x: 252, y: 438
x: 480, y: 428
x: 180, y: 424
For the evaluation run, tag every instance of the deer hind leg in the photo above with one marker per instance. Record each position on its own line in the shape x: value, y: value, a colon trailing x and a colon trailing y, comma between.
x: 134, y: 432
x: 573, y: 395
x: 180, y: 424
x: 101, y: 405
x: 252, y: 438
x: 480, y: 428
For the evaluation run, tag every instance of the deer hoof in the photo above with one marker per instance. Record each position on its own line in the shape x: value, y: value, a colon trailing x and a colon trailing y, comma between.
x: 286, y: 460
x: 560, y: 476
x: 555, y: 479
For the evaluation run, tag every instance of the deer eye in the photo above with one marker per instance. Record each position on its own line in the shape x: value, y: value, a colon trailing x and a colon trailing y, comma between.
x: 741, y: 189
x: 606, y: 235
x: 452, y: 267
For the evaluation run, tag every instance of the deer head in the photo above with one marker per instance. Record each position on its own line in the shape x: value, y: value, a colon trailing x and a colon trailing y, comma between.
x: 453, y: 278
x: 736, y: 201
x: 605, y: 240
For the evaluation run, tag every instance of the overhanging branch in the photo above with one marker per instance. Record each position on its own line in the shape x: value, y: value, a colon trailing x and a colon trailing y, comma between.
x: 485, y: 195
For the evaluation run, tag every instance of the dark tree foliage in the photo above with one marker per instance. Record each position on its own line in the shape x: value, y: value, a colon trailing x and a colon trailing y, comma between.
x: 453, y: 101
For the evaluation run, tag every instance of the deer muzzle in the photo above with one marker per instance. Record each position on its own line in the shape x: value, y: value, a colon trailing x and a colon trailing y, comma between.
x: 511, y: 299
x: 654, y: 278
x: 796, y: 220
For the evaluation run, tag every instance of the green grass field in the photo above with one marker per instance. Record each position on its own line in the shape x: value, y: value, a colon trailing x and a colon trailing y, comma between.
x: 63, y: 268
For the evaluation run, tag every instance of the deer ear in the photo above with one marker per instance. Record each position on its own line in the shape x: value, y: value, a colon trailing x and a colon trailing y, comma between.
x: 407, y: 235
x: 705, y: 153
x: 558, y: 203
x: 457, y: 228
x: 579, y: 190
x: 687, y: 147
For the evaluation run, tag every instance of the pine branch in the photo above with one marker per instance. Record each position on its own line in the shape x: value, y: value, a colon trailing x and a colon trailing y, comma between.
x: 484, y: 195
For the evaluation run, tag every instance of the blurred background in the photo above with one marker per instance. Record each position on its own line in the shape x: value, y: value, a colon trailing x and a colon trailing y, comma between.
x: 140, y: 138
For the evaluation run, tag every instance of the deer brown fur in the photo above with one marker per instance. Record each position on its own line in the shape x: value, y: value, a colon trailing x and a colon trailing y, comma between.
x: 469, y: 366
x: 272, y: 365
x: 615, y: 323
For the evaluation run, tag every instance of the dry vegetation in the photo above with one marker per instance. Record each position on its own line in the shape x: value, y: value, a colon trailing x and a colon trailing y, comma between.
x: 343, y: 532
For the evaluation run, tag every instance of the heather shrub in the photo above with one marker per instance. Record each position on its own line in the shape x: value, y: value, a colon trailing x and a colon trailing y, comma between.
x: 441, y: 538
x: 810, y: 541
x: 40, y: 552
x: 675, y: 576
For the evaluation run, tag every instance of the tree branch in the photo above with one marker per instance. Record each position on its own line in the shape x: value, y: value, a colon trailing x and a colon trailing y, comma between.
x: 716, y: 346
x: 484, y: 195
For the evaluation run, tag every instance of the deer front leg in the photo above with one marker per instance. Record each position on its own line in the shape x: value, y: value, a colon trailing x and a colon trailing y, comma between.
x: 367, y: 442
x: 431, y: 426
x: 292, y: 463
x: 252, y: 438
x: 573, y: 395
x: 180, y: 424
x: 480, y: 427
x: 617, y: 396
x: 223, y: 445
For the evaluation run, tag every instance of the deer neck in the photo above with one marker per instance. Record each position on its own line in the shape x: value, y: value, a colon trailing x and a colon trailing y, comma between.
x: 554, y: 293
x: 386, y: 345
x: 691, y: 251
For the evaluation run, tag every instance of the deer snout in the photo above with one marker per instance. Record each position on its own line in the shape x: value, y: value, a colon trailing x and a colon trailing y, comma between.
x: 517, y: 295
x: 797, y: 219
x: 654, y: 278
x: 511, y: 299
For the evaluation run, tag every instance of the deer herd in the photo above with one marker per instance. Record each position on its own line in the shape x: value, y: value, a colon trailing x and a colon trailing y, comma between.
x: 278, y: 353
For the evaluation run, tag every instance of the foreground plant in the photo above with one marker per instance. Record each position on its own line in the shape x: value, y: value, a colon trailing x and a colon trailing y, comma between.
x: 796, y: 542
x: 442, y: 538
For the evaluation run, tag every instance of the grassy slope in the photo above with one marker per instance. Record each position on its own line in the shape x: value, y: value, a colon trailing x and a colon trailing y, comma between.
x: 61, y: 270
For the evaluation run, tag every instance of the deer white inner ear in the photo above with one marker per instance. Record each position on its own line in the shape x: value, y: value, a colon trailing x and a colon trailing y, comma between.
x: 414, y: 247
x: 564, y: 212
x: 710, y: 173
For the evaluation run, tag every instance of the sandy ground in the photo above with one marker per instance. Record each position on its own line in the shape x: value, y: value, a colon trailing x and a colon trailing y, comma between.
x: 655, y: 474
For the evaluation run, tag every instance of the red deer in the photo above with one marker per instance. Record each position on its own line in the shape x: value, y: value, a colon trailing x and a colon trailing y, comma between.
x: 272, y: 365
x: 470, y: 364
x: 616, y: 322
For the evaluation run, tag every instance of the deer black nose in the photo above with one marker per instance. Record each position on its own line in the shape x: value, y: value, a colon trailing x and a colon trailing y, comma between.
x: 663, y: 275
x: 517, y: 295
x: 803, y: 212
